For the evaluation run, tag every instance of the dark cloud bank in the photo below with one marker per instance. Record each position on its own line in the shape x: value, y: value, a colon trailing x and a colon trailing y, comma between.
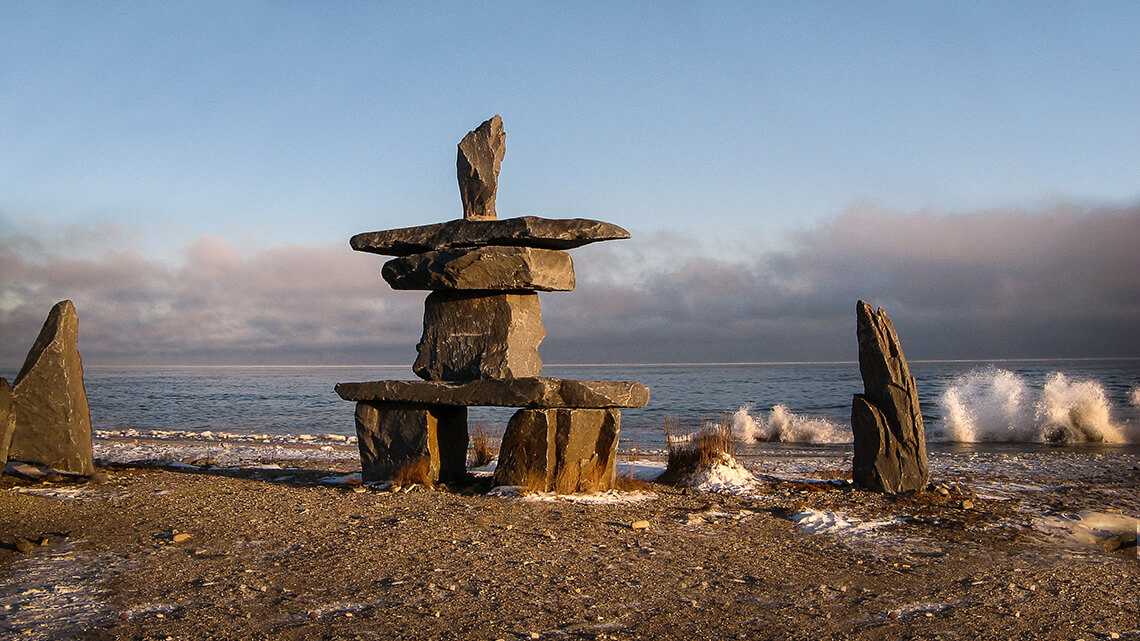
x: 988, y: 284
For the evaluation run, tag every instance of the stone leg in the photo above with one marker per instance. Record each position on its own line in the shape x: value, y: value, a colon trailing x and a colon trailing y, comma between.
x: 479, y: 335
x: 560, y: 450
x: 394, y: 435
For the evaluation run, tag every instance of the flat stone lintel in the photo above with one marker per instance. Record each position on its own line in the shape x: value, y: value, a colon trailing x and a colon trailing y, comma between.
x: 527, y: 231
x: 533, y: 392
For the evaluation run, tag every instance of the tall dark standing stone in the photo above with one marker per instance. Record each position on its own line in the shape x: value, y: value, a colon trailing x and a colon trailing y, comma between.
x: 480, y: 155
x: 890, y: 444
x: 7, y: 420
x: 53, y: 422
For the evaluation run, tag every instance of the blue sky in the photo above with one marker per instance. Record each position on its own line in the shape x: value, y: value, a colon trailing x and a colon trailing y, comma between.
x: 710, y: 130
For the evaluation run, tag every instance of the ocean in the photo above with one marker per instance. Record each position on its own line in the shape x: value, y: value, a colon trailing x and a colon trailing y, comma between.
x: 1024, y: 403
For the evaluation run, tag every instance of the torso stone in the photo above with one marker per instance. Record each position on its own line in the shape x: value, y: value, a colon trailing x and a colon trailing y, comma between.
x: 469, y: 336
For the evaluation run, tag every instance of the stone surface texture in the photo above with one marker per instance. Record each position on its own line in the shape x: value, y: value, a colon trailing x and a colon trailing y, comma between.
x: 516, y: 269
x: 7, y: 420
x: 477, y: 164
x: 391, y: 436
x: 889, y: 438
x: 525, y: 231
x: 53, y: 421
x: 477, y: 335
x: 560, y: 450
x: 531, y: 392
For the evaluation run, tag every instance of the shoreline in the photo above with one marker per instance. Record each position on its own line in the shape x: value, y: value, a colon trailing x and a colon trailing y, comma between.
x: 215, y: 552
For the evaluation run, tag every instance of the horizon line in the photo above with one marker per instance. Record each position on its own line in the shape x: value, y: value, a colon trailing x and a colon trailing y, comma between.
x: 668, y: 364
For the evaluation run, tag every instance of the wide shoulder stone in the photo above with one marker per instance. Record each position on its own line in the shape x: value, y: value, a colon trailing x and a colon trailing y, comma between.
x: 535, y: 392
x: 53, y: 420
x: 483, y: 268
x: 526, y: 231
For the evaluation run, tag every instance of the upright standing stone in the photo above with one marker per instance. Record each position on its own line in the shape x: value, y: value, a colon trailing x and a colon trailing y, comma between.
x: 890, y: 442
x: 561, y: 450
x: 7, y: 420
x: 53, y: 422
x: 393, y: 435
x: 480, y: 155
x: 480, y: 335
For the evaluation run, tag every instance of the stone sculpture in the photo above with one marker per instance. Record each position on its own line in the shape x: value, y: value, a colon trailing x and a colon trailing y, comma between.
x: 49, y: 401
x: 890, y: 442
x: 482, y: 329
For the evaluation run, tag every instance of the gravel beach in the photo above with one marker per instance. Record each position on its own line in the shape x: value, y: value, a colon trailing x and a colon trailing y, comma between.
x: 202, y: 552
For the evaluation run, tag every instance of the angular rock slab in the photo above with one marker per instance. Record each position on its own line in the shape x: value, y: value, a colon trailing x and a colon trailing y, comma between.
x: 535, y: 393
x: 476, y: 335
x: 7, y: 421
x: 53, y: 421
x: 392, y: 436
x: 525, y: 231
x: 560, y: 450
x: 484, y: 268
x: 889, y: 437
x: 477, y: 164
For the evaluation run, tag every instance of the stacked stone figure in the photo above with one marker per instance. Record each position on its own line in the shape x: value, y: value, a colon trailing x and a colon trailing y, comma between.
x: 482, y: 329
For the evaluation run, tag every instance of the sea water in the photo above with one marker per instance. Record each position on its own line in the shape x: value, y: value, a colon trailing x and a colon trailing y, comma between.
x: 773, y: 405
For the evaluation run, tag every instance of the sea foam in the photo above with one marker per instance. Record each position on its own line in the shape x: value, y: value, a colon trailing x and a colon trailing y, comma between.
x: 782, y: 425
x: 993, y: 404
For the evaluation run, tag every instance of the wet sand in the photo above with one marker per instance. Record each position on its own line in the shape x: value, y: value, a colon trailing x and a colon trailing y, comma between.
x: 283, y: 554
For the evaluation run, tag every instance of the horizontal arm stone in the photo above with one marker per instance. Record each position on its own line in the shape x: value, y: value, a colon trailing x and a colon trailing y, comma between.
x: 526, y: 231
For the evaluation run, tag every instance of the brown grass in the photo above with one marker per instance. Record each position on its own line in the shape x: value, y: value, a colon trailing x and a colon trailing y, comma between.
x: 481, y: 451
x: 416, y: 471
x: 689, y: 455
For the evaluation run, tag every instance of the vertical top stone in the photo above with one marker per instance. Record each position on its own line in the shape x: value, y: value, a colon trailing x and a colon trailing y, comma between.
x: 480, y: 155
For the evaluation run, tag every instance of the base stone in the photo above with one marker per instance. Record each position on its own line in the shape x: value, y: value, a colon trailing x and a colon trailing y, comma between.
x: 478, y: 335
x: 393, y: 436
x: 560, y: 450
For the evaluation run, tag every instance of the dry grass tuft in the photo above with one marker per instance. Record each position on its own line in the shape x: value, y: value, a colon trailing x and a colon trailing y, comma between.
x: 481, y: 451
x: 689, y: 454
x: 416, y: 471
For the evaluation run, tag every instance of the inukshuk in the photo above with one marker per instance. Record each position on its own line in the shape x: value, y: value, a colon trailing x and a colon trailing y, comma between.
x: 482, y: 328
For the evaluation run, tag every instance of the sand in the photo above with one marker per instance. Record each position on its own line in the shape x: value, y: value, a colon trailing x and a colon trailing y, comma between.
x: 206, y: 553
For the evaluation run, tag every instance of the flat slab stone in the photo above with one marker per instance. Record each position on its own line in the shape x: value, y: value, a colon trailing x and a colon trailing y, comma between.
x: 469, y: 335
x: 526, y: 231
x: 483, y: 268
x: 536, y: 392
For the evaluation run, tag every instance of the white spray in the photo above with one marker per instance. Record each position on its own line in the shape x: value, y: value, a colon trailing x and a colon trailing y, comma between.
x: 783, y: 426
x: 998, y: 405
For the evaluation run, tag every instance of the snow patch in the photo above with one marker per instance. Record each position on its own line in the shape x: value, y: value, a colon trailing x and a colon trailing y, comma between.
x: 828, y: 522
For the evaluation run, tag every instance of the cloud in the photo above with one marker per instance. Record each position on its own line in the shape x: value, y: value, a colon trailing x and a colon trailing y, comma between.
x: 986, y: 284
x: 1064, y: 282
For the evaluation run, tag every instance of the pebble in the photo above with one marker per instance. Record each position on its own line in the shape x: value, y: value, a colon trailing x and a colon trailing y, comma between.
x: 178, y: 538
x: 967, y: 504
x: 640, y: 525
x: 25, y: 546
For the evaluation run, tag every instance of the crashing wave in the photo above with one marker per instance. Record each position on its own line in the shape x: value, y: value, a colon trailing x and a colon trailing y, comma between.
x: 997, y: 405
x: 783, y: 426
